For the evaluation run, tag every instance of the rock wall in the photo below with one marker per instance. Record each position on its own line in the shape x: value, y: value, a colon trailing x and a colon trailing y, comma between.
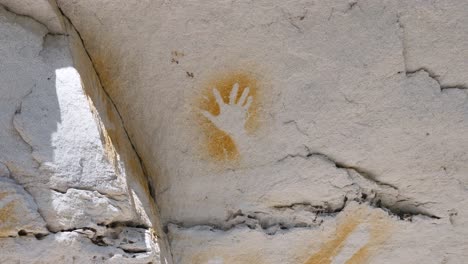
x: 71, y: 187
x: 243, y: 131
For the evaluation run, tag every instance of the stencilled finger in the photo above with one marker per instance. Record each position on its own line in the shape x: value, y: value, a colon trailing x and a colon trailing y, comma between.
x: 244, y: 95
x: 218, y: 97
x: 233, y: 94
x: 249, y: 102
x: 209, y: 116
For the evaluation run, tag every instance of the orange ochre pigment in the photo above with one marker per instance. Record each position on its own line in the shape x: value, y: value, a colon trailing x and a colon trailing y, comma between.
x: 379, y: 230
x: 219, y: 145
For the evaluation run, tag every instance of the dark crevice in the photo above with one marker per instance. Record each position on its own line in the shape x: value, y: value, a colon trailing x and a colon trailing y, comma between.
x: 436, y: 77
x: 107, y: 225
x: 40, y: 236
x: 124, y: 224
x: 379, y: 198
x: 379, y: 195
x: 99, y: 240
x: 140, y: 160
x: 340, y: 165
x: 272, y: 222
x: 366, y: 174
x: 59, y: 191
x: 133, y: 251
x: 363, y: 172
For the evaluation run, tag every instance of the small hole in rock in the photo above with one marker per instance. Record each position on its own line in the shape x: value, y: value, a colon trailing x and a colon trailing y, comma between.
x: 22, y: 233
x: 40, y: 236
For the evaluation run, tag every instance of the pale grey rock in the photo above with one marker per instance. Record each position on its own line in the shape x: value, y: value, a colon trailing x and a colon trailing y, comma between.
x: 358, y: 82
x: 54, y: 123
x: 18, y: 211
x: 54, y: 146
x: 68, y: 247
x: 4, y: 171
x: 63, y: 136
x: 45, y: 12
x: 129, y: 239
x: 388, y: 239
x: 435, y: 39
x: 19, y: 49
x: 361, y: 110
x: 80, y: 208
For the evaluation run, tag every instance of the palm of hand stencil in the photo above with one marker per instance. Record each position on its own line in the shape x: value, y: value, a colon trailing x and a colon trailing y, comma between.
x: 233, y: 115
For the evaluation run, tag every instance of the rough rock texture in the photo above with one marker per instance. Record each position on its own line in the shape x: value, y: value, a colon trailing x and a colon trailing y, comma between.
x: 66, y: 194
x: 18, y: 211
x: 77, y: 247
x: 45, y: 12
x: 264, y: 131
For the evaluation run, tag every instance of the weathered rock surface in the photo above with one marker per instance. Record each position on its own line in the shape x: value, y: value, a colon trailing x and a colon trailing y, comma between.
x: 18, y: 211
x: 71, y: 247
x: 348, y: 146
x: 66, y: 194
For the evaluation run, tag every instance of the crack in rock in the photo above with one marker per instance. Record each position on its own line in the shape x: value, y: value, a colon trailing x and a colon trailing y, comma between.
x: 117, y: 198
x: 365, y: 189
x: 307, y: 215
x: 111, y: 101
x: 4, y: 170
x: 105, y: 234
x: 296, y: 125
x: 18, y: 128
x: 375, y: 192
x: 300, y: 215
x: 351, y: 6
x: 24, y: 16
x: 430, y: 73
x: 435, y: 77
x: 340, y: 165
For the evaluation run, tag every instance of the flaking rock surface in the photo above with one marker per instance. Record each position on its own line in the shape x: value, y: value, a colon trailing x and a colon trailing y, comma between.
x: 269, y: 131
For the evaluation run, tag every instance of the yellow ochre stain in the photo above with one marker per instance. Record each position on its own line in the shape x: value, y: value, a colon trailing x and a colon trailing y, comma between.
x: 331, y: 248
x: 219, y: 145
x: 8, y: 218
x: 379, y: 230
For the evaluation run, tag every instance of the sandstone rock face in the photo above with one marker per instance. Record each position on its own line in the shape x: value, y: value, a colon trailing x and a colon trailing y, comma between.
x: 18, y: 211
x: 244, y: 131
x: 66, y: 194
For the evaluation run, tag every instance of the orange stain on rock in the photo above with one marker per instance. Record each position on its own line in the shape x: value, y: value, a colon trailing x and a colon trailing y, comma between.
x: 219, y: 145
x: 8, y: 216
x: 331, y: 248
x: 379, y: 231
